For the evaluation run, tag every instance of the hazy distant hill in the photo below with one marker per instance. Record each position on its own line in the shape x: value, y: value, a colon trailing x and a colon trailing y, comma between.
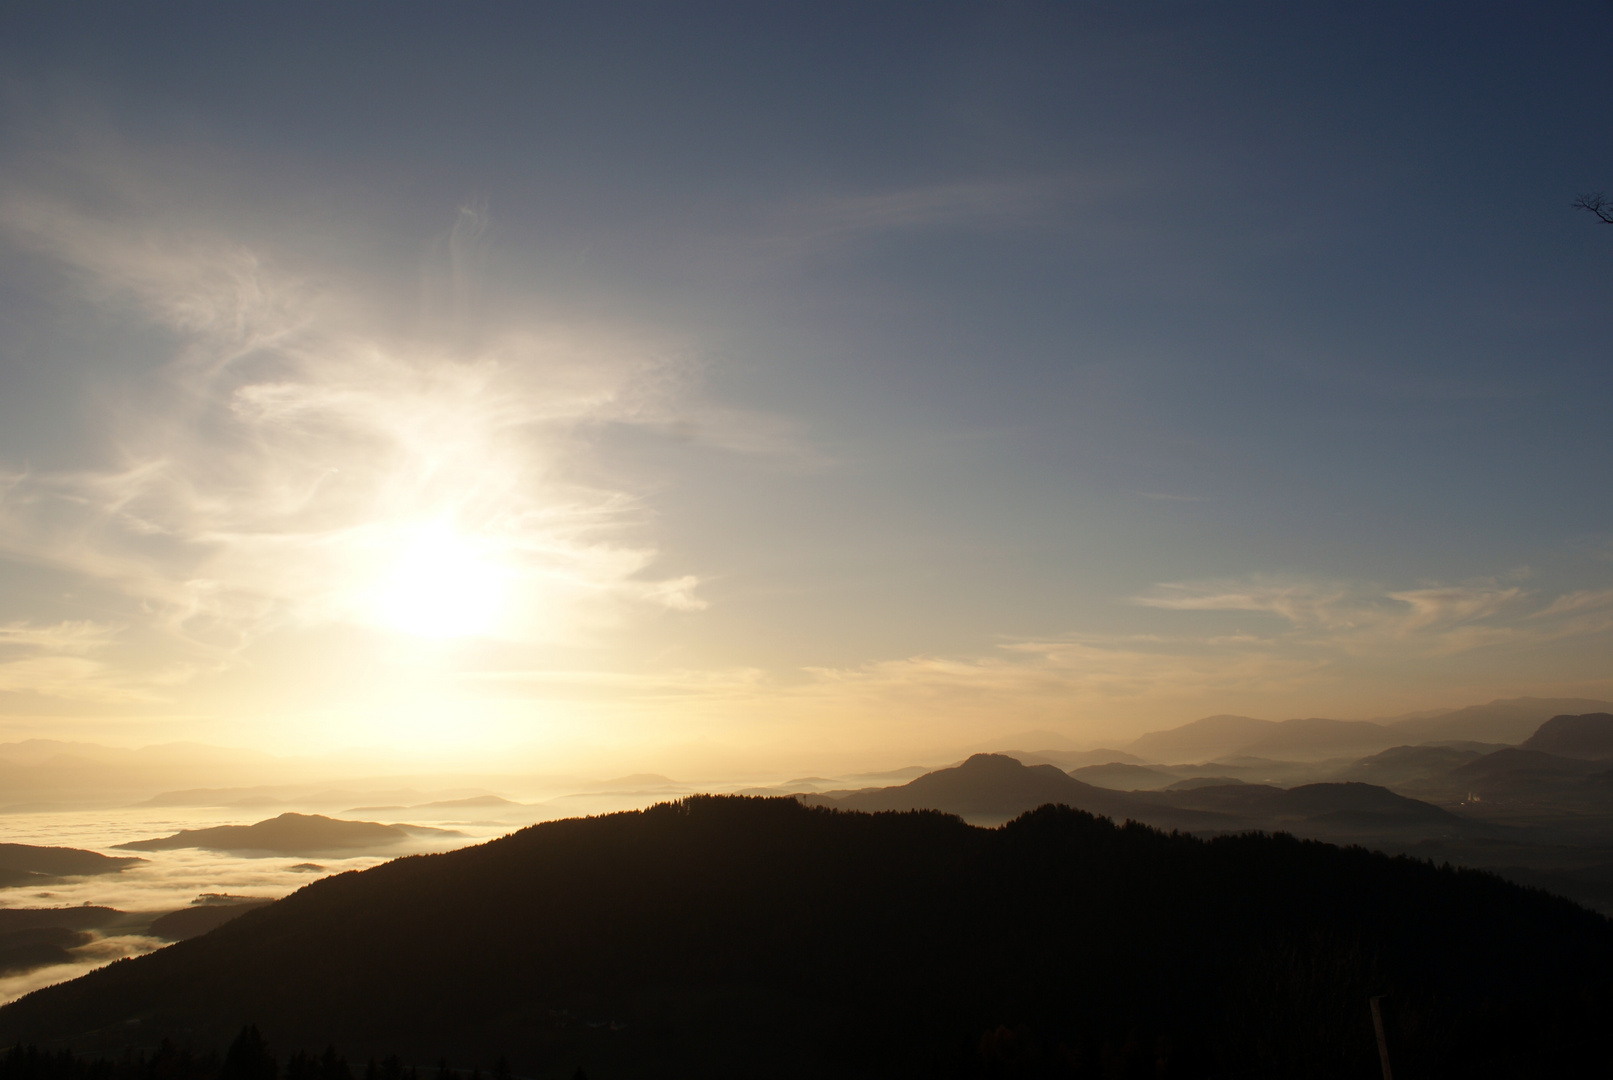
x: 991, y: 787
x: 474, y: 802
x: 1514, y: 765
x: 1411, y: 767
x: 1122, y: 776
x: 1310, y: 739
x: 1509, y: 720
x: 721, y: 937
x: 44, y: 770
x: 290, y: 834
x: 1587, y: 736
x: 1330, y: 811
x: 1223, y: 736
x: 1072, y: 759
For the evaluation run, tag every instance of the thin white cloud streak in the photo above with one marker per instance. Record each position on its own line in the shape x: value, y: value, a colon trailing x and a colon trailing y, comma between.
x: 1431, y: 621
x: 1161, y: 496
x: 78, y: 636
x: 1584, y: 600
x: 992, y: 205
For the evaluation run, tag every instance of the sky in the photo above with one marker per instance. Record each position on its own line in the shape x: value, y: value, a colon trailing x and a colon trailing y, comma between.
x: 822, y: 383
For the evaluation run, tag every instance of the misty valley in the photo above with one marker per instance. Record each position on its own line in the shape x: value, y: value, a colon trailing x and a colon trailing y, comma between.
x: 1229, y: 898
x: 792, y: 541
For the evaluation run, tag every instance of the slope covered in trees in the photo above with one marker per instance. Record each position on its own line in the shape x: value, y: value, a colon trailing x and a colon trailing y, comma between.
x: 734, y: 936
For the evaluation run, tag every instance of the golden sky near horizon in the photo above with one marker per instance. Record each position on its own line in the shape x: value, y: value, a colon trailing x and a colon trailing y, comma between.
x: 676, y: 409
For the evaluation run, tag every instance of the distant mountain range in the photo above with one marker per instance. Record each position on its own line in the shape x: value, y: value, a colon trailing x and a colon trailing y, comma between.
x: 991, y: 788
x: 723, y: 936
x: 1504, y: 721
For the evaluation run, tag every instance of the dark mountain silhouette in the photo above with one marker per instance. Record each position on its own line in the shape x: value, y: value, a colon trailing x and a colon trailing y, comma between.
x: 25, y: 864
x: 291, y: 834
x: 1588, y: 736
x: 726, y: 937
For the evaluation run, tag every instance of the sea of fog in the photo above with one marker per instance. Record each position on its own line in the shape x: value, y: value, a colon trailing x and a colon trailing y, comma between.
x: 170, y: 880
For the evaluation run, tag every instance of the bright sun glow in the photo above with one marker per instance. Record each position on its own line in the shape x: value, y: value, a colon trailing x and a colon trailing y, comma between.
x: 441, y: 586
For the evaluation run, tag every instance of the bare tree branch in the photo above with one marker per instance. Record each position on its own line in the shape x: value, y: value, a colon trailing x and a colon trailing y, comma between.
x: 1597, y: 203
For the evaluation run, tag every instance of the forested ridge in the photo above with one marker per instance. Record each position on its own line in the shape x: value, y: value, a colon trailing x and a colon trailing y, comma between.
x: 728, y: 936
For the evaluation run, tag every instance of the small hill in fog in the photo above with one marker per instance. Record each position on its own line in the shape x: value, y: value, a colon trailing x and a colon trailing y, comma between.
x: 290, y: 834
x: 724, y: 936
x: 26, y: 864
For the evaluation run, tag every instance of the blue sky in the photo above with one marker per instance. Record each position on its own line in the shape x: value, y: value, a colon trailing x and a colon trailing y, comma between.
x: 804, y: 378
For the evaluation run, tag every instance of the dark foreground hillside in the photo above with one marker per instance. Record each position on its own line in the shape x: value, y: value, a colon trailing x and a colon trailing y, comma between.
x: 760, y: 937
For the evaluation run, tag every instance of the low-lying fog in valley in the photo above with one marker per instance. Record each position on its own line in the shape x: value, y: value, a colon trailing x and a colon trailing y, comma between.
x: 178, y: 878
x: 1451, y: 787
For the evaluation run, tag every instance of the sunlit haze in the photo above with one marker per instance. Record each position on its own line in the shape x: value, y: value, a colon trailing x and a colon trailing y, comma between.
x: 750, y: 392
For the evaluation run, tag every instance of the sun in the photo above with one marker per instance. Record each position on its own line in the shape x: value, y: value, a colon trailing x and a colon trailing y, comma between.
x: 441, y: 585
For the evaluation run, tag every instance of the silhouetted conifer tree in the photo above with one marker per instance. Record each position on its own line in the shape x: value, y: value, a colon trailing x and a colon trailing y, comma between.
x: 248, y: 1057
x: 332, y: 1066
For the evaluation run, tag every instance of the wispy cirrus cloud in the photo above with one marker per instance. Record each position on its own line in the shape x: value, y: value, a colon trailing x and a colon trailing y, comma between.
x: 68, y: 660
x: 301, y: 459
x: 977, y: 204
x: 75, y: 636
x: 1578, y: 602
x: 1357, y: 619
